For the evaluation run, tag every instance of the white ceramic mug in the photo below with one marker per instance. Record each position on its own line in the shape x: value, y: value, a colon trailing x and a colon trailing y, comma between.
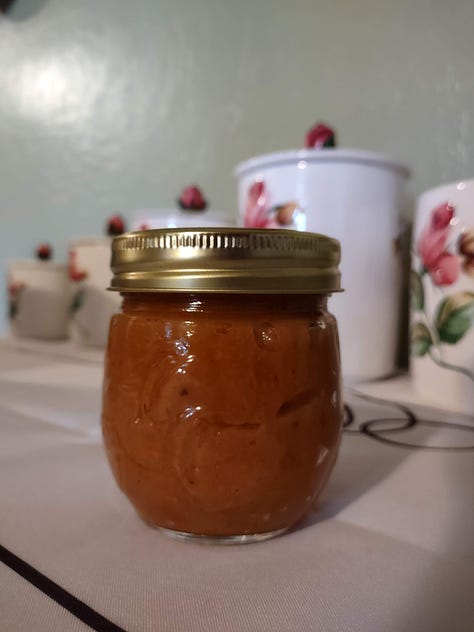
x: 356, y: 197
x: 39, y: 295
x: 442, y: 297
x: 89, y: 269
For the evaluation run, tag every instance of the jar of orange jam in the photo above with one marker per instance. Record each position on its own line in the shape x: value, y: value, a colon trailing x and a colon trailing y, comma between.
x: 222, y: 394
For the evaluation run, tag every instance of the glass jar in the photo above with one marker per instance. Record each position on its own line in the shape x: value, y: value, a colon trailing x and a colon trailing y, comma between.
x: 222, y: 397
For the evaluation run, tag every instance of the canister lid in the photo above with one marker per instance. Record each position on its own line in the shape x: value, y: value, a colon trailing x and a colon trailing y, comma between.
x: 225, y: 260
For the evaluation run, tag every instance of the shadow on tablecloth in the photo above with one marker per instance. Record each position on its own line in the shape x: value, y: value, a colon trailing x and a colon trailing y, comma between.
x: 378, y: 437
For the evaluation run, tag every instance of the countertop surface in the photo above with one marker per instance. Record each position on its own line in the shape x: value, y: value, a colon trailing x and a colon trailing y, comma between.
x: 389, y: 546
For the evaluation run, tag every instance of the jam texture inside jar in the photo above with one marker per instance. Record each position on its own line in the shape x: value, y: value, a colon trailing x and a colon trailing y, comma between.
x: 221, y: 409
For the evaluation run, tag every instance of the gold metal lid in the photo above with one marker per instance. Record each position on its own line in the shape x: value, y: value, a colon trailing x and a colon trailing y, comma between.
x: 231, y: 260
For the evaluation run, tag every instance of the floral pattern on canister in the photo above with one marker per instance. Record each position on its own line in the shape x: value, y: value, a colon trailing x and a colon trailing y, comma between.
x: 75, y: 273
x: 259, y: 213
x: 77, y: 276
x: 443, y: 261
x: 14, y: 292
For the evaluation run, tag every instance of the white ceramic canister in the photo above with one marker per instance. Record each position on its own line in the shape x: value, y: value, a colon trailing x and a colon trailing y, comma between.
x: 356, y: 197
x: 89, y: 270
x: 442, y: 297
x: 39, y: 294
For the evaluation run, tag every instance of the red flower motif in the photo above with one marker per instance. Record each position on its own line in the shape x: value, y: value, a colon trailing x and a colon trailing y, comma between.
x: 192, y: 199
x: 259, y: 214
x: 442, y: 266
x: 433, y: 239
x: 320, y: 136
x: 115, y: 226
x: 445, y: 270
x: 14, y: 290
x: 144, y: 227
x: 256, y: 207
x: 74, y: 273
x: 44, y: 252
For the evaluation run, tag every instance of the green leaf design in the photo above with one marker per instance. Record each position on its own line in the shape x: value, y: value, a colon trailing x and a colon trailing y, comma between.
x: 416, y: 291
x: 77, y: 301
x: 420, y: 338
x: 454, y: 317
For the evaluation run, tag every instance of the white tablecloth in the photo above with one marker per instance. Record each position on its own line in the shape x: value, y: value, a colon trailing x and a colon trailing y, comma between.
x: 389, y: 547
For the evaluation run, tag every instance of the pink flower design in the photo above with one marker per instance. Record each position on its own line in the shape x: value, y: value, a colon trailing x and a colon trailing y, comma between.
x: 256, y: 207
x: 442, y: 266
x: 75, y: 274
x: 258, y: 213
x: 445, y: 270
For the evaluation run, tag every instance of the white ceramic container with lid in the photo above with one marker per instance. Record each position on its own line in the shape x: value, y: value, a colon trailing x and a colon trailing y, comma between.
x: 356, y: 197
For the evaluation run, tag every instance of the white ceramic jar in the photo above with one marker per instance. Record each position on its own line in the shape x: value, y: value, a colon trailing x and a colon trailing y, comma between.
x: 356, y: 197
x: 93, y: 306
x: 40, y: 296
x: 442, y: 305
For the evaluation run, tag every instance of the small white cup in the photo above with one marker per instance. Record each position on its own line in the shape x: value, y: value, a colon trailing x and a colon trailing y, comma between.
x: 442, y: 297
x: 89, y: 269
x: 40, y: 299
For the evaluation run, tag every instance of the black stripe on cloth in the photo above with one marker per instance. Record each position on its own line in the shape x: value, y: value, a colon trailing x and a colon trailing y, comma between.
x: 75, y: 606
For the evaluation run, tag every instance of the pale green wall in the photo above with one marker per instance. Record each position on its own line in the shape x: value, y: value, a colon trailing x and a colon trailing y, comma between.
x: 107, y: 105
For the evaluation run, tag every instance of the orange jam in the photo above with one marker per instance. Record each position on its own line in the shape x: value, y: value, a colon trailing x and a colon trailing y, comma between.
x: 221, y: 410
x: 222, y: 413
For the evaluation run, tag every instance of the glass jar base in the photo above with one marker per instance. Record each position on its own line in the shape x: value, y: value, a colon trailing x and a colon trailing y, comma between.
x: 220, y: 539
